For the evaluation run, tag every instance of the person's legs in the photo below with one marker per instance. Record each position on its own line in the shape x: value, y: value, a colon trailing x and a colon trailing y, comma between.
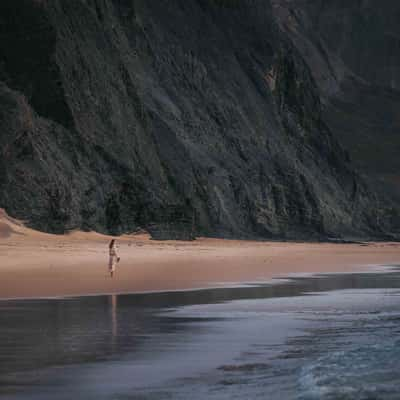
x: 112, y: 267
x: 112, y: 264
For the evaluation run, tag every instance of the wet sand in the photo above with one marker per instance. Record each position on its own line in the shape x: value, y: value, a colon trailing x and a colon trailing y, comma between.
x: 322, y: 337
x: 35, y: 264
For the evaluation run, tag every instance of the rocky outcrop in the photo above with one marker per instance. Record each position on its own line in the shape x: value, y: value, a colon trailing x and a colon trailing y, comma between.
x: 352, y: 50
x: 119, y: 114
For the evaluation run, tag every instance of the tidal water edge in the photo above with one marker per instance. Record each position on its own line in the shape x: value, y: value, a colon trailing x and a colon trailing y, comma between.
x: 318, y: 337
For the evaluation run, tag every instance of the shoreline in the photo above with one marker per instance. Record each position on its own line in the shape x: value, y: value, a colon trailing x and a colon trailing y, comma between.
x: 209, y: 338
x: 36, y: 265
x: 275, y: 280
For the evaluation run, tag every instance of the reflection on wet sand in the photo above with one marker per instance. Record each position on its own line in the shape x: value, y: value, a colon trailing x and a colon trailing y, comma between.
x: 113, y: 299
x: 70, y: 333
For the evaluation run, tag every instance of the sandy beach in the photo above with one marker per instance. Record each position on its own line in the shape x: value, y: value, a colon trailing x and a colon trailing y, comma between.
x: 35, y: 264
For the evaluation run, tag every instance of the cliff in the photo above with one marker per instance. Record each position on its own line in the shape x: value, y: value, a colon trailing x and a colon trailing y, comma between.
x: 352, y: 51
x: 183, y: 117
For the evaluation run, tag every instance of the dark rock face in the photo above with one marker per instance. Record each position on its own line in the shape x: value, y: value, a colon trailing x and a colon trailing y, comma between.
x: 199, y: 115
x: 353, y: 51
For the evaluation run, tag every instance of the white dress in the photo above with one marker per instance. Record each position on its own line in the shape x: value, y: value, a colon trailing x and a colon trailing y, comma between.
x: 113, y: 258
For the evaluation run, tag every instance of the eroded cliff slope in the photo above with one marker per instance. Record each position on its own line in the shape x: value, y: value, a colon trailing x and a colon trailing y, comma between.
x: 353, y: 51
x: 119, y: 114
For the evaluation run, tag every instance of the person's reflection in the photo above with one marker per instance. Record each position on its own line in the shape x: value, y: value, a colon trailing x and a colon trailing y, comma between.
x: 113, y: 299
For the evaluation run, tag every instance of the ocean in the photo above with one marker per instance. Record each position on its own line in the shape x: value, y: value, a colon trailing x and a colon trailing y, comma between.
x: 306, y: 337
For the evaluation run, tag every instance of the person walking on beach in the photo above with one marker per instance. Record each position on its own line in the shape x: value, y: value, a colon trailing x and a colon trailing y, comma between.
x: 114, y: 259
